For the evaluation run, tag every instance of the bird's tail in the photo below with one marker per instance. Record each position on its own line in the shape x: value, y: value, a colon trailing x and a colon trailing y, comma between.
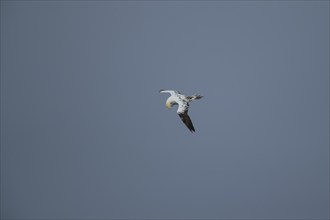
x: 194, y: 97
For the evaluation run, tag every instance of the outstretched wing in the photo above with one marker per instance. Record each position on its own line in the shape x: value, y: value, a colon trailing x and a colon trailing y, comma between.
x: 194, y: 97
x: 187, y: 121
x: 172, y: 92
x: 183, y: 113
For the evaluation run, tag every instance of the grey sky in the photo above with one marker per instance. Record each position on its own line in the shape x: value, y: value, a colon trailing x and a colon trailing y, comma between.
x: 85, y: 133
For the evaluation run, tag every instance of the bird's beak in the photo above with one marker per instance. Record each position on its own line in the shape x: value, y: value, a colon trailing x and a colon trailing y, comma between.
x: 168, y: 105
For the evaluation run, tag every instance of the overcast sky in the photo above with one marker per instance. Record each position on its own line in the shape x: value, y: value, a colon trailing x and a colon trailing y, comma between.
x: 85, y: 133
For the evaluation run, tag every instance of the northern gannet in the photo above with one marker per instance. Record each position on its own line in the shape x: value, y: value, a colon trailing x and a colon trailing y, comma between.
x: 183, y: 101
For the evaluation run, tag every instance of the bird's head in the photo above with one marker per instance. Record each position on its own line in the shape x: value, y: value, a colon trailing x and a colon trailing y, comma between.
x: 168, y: 104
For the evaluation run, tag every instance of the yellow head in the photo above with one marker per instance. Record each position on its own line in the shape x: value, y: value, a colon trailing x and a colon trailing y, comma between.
x: 168, y: 104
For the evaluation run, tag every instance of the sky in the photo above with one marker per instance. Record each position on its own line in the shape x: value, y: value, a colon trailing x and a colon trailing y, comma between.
x: 86, y: 135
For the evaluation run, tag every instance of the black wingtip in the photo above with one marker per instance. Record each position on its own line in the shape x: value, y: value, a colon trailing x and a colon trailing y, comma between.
x: 191, y: 128
x: 199, y: 96
x: 186, y: 120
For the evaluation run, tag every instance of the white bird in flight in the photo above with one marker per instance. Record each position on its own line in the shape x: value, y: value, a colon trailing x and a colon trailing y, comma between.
x: 183, y: 101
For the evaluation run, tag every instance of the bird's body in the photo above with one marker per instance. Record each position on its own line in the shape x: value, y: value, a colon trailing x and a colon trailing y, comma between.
x: 182, y: 101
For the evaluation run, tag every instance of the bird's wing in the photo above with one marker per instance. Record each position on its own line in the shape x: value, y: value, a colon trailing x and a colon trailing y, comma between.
x: 183, y: 113
x: 172, y: 92
x: 194, y: 97
x: 187, y: 121
x: 183, y: 105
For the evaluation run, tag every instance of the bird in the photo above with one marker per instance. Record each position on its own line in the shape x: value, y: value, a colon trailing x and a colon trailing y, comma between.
x: 182, y: 101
